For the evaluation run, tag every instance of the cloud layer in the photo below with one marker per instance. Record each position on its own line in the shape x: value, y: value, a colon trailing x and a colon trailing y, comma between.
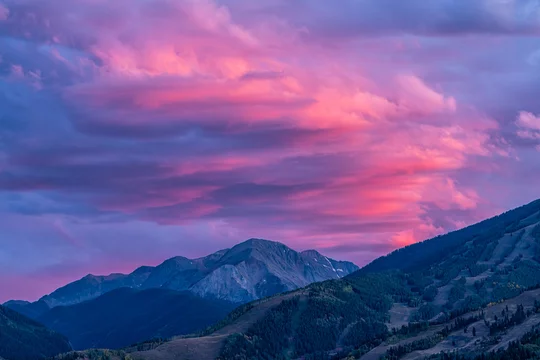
x: 132, y: 131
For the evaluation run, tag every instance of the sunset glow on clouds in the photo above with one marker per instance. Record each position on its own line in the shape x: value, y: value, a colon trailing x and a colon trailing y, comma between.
x: 136, y: 130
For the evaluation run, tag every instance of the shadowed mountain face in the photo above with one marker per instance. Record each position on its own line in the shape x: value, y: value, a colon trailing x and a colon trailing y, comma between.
x: 25, y: 339
x: 31, y: 310
x: 473, y: 291
x: 125, y: 316
x: 250, y: 270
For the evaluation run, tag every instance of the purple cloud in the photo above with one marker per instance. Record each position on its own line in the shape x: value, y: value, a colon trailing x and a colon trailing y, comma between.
x: 135, y: 131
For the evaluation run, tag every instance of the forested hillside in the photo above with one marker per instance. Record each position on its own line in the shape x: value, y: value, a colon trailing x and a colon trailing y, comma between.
x: 126, y: 316
x: 24, y: 339
x: 327, y: 315
x: 429, y: 252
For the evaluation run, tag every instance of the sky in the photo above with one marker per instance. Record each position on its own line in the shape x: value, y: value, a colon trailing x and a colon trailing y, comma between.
x: 132, y: 131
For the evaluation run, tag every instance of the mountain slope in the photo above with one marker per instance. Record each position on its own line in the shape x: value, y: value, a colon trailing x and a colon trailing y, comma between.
x: 294, y: 324
x: 28, y: 309
x: 485, y: 283
x: 126, y: 316
x: 25, y: 339
x: 253, y: 269
x: 258, y: 268
x: 91, y: 286
x: 423, y: 254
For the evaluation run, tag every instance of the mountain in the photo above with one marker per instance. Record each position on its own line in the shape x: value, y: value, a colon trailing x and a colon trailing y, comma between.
x: 125, y: 316
x: 258, y: 268
x: 177, y: 297
x: 472, y: 292
x: 251, y: 270
x: 91, y: 286
x: 31, y: 310
x: 423, y: 254
x: 25, y: 339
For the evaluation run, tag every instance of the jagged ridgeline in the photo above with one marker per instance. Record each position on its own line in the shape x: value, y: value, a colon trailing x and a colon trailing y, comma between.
x: 179, y: 296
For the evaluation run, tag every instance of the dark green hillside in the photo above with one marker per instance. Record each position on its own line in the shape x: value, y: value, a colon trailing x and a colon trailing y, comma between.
x: 94, y: 354
x: 125, y: 316
x: 351, y: 311
x: 424, y: 254
x: 526, y: 348
x: 24, y: 339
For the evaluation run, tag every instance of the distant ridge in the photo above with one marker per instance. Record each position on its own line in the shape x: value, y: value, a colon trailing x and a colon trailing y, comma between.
x: 251, y: 270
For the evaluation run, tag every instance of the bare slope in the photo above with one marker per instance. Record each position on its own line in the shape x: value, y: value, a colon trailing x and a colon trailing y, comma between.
x: 479, y: 342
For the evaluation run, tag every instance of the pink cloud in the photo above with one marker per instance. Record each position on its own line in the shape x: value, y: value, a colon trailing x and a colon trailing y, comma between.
x: 419, y: 97
x: 242, y: 121
x: 528, y: 127
x: 17, y: 71
x: 414, y: 163
x: 528, y: 120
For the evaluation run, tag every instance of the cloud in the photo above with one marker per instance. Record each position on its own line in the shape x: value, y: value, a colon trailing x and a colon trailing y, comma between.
x: 528, y: 120
x: 529, y: 127
x: 420, y: 98
x: 181, y: 127
x: 388, y: 18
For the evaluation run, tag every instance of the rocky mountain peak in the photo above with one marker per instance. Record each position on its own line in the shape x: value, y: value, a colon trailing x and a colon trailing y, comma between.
x: 260, y: 245
x: 311, y: 253
x: 249, y: 270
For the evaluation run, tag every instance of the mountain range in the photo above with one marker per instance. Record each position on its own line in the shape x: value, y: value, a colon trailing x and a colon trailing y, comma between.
x: 250, y: 270
x: 177, y: 297
x: 473, y: 293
